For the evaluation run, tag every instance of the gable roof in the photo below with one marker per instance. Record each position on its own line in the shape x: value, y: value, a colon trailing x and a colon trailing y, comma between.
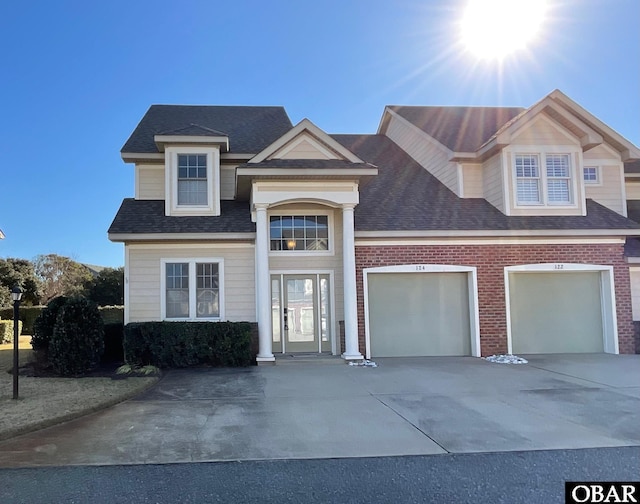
x: 250, y: 129
x: 460, y: 129
x: 405, y: 197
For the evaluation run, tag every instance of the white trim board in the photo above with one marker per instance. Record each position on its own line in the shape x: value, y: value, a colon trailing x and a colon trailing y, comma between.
x: 474, y: 312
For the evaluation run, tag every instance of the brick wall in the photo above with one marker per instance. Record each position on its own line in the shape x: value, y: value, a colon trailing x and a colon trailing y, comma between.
x: 490, y: 261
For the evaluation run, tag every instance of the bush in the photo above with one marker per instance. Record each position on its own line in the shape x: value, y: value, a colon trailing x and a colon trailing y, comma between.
x: 113, y: 341
x: 112, y: 314
x: 28, y: 316
x: 77, y: 342
x: 186, y: 344
x: 44, y: 324
x: 6, y: 330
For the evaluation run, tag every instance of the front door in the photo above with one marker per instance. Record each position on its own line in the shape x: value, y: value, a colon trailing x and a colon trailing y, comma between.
x: 300, y: 313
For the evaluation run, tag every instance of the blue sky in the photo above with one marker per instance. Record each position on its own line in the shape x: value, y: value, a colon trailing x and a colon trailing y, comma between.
x: 77, y: 76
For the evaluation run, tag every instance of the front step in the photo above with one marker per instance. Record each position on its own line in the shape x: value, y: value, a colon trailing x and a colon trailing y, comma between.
x: 308, y: 359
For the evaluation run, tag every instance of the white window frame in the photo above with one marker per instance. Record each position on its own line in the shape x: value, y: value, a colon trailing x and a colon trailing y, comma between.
x: 192, y: 261
x: 171, y: 181
x: 542, y: 152
x: 598, y: 180
x: 305, y: 213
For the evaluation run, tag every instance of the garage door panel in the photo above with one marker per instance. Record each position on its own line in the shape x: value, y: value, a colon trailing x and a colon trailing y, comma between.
x: 556, y: 312
x: 419, y: 314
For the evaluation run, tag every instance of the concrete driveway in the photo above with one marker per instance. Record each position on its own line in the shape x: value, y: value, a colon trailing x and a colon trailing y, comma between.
x: 403, y: 407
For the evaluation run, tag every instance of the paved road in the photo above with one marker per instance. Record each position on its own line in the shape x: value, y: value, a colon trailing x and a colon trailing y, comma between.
x: 510, y: 477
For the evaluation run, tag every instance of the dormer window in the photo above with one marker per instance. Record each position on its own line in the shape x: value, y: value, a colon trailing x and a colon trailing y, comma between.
x: 192, y: 179
x: 192, y: 182
x: 551, y: 186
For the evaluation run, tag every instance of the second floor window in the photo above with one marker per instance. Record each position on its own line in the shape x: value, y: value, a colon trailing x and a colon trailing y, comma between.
x: 192, y: 179
x: 551, y: 186
x: 299, y: 232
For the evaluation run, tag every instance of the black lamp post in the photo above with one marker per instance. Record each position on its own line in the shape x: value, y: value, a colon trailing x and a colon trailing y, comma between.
x: 16, y: 295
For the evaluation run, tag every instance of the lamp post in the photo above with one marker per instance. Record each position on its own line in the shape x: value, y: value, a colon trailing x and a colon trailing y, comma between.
x: 16, y: 296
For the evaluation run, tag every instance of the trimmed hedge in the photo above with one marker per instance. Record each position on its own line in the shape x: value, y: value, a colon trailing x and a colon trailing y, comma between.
x: 6, y: 330
x: 187, y: 344
x: 112, y: 314
x: 29, y: 314
x: 77, y: 342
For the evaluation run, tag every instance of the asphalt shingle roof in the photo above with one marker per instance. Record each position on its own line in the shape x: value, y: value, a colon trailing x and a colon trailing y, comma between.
x: 250, y: 129
x: 404, y: 196
x: 461, y: 129
x: 147, y: 216
x: 632, y: 167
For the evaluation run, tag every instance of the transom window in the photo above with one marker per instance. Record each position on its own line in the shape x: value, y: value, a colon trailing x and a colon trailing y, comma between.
x: 299, y: 232
x: 590, y: 174
x: 532, y: 188
x: 192, y: 290
x: 192, y: 179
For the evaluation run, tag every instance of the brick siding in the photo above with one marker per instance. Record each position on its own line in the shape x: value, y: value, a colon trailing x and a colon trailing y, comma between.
x: 490, y: 261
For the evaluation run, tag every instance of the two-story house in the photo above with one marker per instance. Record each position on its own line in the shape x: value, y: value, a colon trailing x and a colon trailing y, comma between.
x: 452, y: 231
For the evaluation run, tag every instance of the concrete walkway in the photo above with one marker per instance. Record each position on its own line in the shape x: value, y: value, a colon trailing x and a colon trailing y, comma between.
x: 403, y: 407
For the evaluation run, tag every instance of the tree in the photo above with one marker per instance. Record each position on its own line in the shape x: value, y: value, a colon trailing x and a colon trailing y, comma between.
x: 19, y: 272
x: 61, y: 276
x: 107, y: 288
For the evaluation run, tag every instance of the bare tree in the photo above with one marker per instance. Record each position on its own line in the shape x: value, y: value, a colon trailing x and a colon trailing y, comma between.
x: 61, y: 276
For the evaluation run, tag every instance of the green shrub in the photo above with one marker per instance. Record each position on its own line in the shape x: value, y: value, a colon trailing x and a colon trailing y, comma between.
x: 27, y: 314
x: 186, y: 344
x: 44, y: 324
x: 113, y: 337
x: 112, y: 314
x: 6, y: 330
x: 77, y: 342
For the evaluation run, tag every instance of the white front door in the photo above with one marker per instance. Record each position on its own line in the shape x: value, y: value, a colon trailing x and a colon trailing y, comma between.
x: 300, y: 313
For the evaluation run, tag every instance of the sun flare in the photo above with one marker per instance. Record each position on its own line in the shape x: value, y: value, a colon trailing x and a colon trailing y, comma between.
x: 494, y: 29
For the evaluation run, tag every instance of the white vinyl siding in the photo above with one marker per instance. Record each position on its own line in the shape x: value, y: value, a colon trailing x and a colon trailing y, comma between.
x: 144, y: 282
x: 632, y: 189
x: 543, y: 131
x: 149, y: 182
x: 492, y: 182
x: 472, y: 181
x: 228, y: 182
x: 425, y: 151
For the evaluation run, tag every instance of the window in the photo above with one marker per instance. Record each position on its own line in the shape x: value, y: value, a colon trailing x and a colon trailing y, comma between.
x: 192, y: 179
x: 528, y: 178
x: 299, y: 232
x: 192, y: 289
x: 536, y: 187
x: 558, y: 179
x: 591, y: 175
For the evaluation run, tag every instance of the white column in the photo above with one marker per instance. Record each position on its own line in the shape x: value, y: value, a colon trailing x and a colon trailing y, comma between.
x: 349, y: 285
x: 263, y: 286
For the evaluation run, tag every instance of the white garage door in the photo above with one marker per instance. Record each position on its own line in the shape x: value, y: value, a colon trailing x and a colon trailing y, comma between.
x: 556, y: 312
x: 418, y: 314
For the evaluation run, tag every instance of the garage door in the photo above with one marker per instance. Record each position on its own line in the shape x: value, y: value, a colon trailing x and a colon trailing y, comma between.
x: 418, y: 314
x: 556, y: 312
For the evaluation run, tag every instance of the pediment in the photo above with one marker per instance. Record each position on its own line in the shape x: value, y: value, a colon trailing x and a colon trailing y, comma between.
x: 306, y: 141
